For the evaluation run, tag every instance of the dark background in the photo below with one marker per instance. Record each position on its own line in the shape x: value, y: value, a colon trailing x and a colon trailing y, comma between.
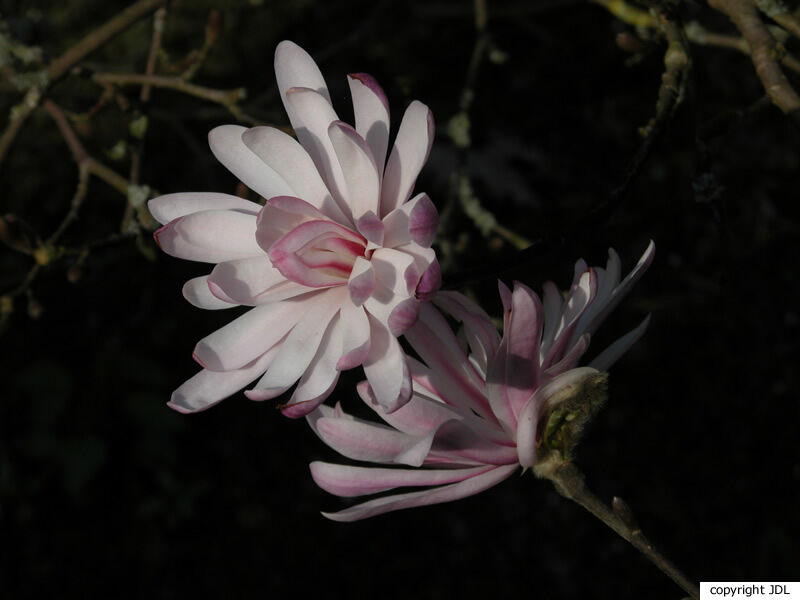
x: 104, y: 490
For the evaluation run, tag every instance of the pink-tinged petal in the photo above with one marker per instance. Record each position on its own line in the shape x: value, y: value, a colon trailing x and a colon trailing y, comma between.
x: 289, y: 159
x: 416, y: 220
x: 171, y: 206
x: 448, y: 493
x: 311, y: 114
x: 451, y: 373
x: 481, y: 334
x: 551, y: 304
x: 229, y: 149
x: 280, y: 215
x: 621, y: 290
x: 513, y: 373
x: 197, y: 293
x: 611, y: 354
x: 430, y: 282
x: 410, y: 151
x: 294, y: 67
x: 371, y: 109
x: 579, y: 299
x: 347, y: 481
x: 396, y: 271
x: 320, y: 377
x: 386, y: 368
x: 570, y: 359
x: 362, y: 281
x: 244, y: 279
x: 211, y: 236
x: 358, y: 167
x: 403, y: 316
x: 371, y: 227
x: 419, y: 416
x: 536, y: 407
x: 362, y: 440
x: 288, y: 254
x: 300, y: 346
x: 249, y: 336
x: 207, y: 388
x: 457, y: 443
x: 356, y: 336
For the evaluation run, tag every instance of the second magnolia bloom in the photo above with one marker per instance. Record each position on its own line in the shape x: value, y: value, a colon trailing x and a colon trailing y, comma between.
x: 482, y: 404
x: 335, y: 264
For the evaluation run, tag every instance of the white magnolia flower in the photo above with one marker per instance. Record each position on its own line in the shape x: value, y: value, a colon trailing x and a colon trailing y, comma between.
x: 335, y: 264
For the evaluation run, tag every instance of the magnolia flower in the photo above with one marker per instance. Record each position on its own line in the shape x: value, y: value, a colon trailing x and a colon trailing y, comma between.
x: 478, y: 411
x: 336, y: 262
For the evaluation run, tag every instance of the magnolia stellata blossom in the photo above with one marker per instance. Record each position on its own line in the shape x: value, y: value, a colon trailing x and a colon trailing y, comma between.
x: 335, y: 264
x: 477, y: 412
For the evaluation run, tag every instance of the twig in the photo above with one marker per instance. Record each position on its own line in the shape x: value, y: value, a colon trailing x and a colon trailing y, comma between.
x: 227, y: 98
x: 697, y: 34
x: 75, y: 205
x: 628, y: 14
x: 569, y: 482
x: 94, y: 167
x: 61, y: 66
x: 765, y: 52
x: 144, y: 97
x: 778, y: 12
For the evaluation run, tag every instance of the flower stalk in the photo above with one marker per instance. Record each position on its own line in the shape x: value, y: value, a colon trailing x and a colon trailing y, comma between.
x: 569, y: 482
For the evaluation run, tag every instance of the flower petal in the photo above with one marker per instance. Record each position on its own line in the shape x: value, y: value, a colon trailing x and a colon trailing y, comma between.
x: 356, y: 336
x: 244, y: 279
x: 410, y: 151
x: 197, y: 293
x: 311, y: 114
x: 289, y: 159
x: 229, y: 149
x: 320, y: 377
x: 386, y: 368
x: 210, y: 236
x: 207, y: 388
x: 372, y: 442
x: 358, y: 166
x: 481, y: 334
x: 447, y: 493
x: 171, y: 206
x: 362, y: 281
x: 294, y: 67
x: 247, y: 337
x: 371, y: 110
x: 347, y: 481
x: 611, y: 354
x: 300, y: 346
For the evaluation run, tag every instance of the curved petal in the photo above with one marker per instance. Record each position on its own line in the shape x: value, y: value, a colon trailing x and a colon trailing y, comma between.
x: 210, y: 236
x: 362, y: 440
x: 197, y: 293
x: 244, y: 279
x: 229, y: 149
x: 289, y: 159
x: 362, y: 281
x: 358, y: 167
x: 611, y: 354
x: 294, y: 67
x: 371, y: 110
x: 395, y: 270
x: 207, y: 388
x: 311, y: 115
x: 300, y: 346
x: 320, y: 377
x: 171, y: 206
x: 481, y: 334
x: 356, y: 336
x: 447, y: 493
x: 249, y: 336
x: 386, y: 368
x: 347, y: 481
x: 419, y: 416
x: 410, y: 151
